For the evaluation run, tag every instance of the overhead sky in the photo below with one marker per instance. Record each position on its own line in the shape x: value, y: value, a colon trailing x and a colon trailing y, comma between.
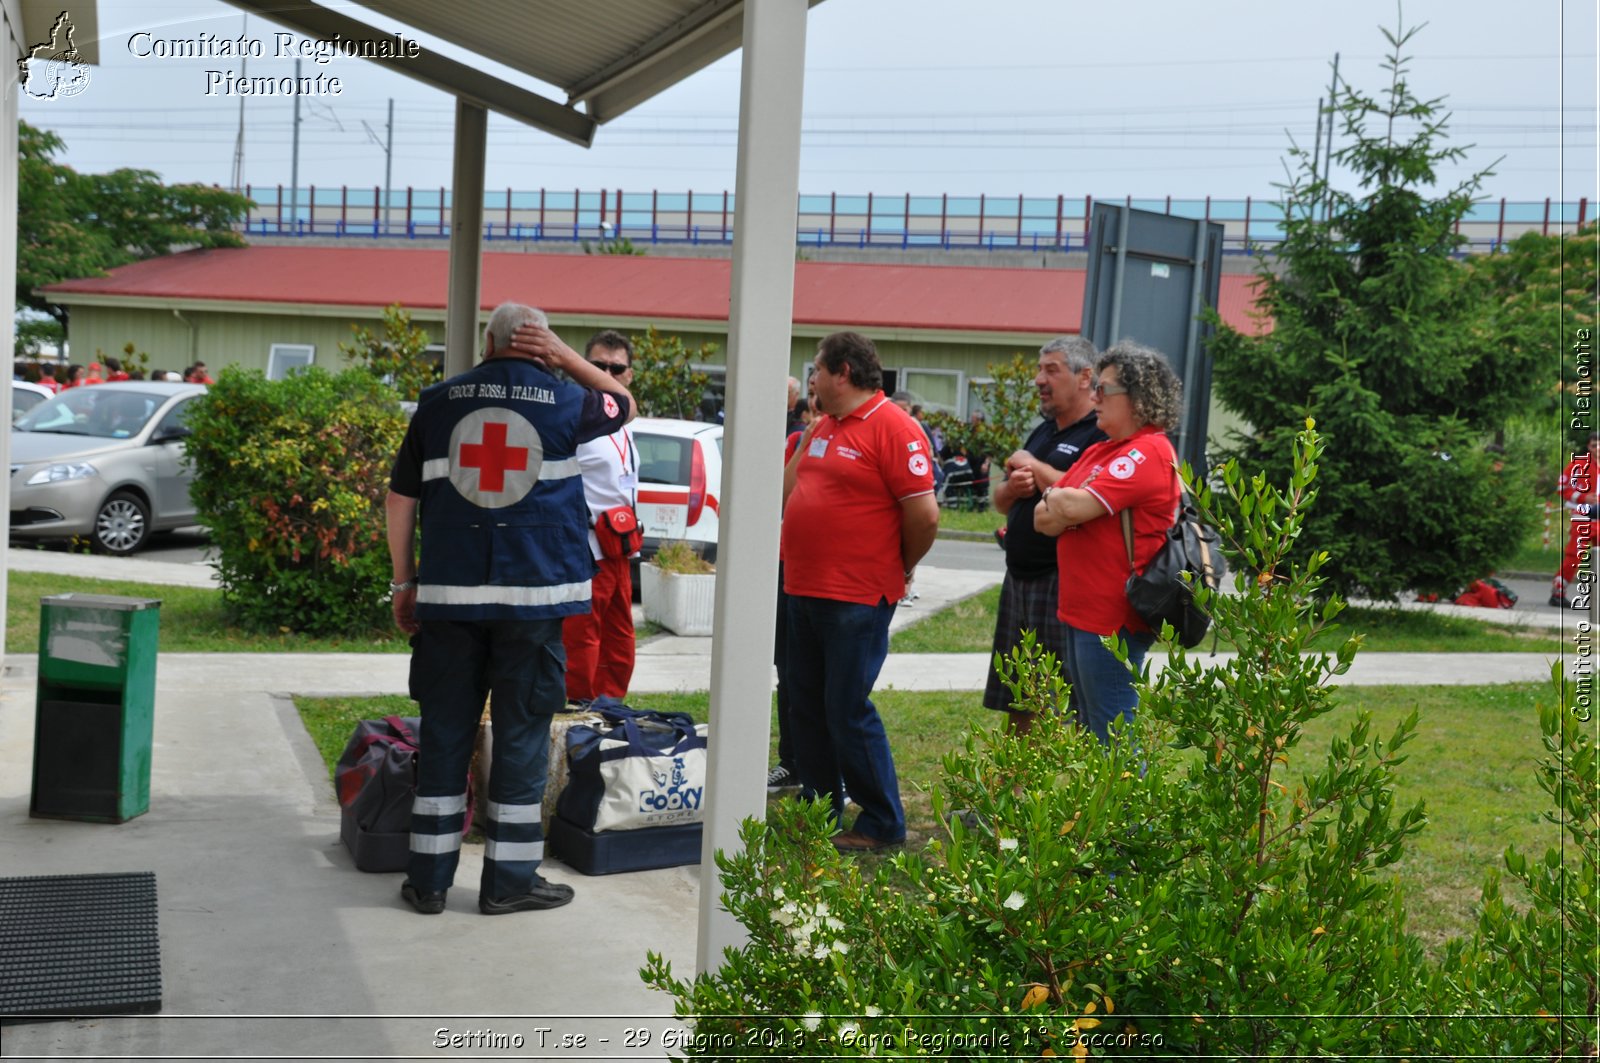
x: 1040, y: 97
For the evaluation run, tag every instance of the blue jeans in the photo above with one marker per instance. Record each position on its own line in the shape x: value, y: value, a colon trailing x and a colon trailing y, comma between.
x: 836, y: 650
x: 1102, y: 684
x: 520, y: 666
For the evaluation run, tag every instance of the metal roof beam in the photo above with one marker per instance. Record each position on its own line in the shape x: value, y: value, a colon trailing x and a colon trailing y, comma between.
x: 718, y: 22
x: 458, y: 79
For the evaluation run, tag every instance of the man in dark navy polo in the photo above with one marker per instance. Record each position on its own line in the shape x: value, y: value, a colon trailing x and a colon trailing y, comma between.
x: 1028, y: 597
x: 489, y: 463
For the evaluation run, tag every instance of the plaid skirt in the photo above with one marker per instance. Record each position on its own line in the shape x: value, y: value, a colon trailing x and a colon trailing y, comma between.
x: 1026, y: 604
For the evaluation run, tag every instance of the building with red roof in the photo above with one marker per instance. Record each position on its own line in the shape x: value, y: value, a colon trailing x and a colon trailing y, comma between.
x: 273, y: 307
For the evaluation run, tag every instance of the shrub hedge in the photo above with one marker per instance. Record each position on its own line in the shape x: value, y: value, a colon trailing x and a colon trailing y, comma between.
x: 290, y: 478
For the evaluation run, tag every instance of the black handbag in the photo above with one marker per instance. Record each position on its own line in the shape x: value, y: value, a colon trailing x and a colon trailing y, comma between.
x: 1164, y: 592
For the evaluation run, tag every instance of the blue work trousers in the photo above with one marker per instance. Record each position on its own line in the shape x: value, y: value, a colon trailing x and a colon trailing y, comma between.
x: 836, y: 650
x: 520, y: 666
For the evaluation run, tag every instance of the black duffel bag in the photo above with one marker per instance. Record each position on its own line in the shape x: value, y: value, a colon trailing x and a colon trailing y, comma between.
x: 375, y: 779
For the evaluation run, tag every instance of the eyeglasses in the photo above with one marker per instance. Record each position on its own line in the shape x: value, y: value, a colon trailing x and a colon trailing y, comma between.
x: 1102, y: 390
x: 614, y: 368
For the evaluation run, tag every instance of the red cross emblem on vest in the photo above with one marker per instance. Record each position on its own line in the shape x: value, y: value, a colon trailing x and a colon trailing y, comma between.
x: 493, y: 457
x: 496, y: 457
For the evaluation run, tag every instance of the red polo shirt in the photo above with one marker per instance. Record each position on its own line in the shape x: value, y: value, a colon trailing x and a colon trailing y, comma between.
x: 1135, y: 473
x: 841, y: 527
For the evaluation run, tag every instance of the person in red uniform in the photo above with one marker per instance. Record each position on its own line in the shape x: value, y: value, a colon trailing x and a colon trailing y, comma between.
x: 859, y: 513
x: 600, y: 643
x: 1578, y: 498
x: 1139, y: 398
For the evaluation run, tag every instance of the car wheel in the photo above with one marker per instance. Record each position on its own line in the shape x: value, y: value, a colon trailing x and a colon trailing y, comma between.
x: 122, y: 525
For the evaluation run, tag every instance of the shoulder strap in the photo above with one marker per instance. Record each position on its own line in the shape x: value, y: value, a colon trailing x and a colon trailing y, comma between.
x: 1127, y: 514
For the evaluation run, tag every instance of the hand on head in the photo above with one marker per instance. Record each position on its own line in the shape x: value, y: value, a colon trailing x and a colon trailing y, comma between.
x: 542, y: 345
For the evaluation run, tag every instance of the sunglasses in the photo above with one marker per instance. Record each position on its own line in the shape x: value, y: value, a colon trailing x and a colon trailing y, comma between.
x: 1102, y: 390
x: 614, y: 368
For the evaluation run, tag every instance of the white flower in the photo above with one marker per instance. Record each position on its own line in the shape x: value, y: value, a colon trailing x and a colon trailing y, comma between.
x: 784, y: 916
x: 849, y: 1029
x: 1007, y: 843
x: 1015, y: 901
x: 820, y: 952
x: 811, y: 1020
x: 840, y: 947
x: 872, y: 1011
x: 778, y: 894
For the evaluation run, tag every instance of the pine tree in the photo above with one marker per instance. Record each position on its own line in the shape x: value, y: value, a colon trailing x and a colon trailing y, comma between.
x: 1381, y: 334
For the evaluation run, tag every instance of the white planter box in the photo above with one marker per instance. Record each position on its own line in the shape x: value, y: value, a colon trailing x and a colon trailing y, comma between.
x: 684, y: 605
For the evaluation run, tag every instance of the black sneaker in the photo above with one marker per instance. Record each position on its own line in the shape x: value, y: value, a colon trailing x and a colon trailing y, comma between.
x: 426, y: 902
x: 542, y: 894
x: 782, y: 778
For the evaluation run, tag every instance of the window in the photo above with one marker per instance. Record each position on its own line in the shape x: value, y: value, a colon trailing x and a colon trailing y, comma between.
x: 285, y: 358
x: 934, y: 389
x: 175, y: 423
x: 979, y: 391
x: 716, y: 394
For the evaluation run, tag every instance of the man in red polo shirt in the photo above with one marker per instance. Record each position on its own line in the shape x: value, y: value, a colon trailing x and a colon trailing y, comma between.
x: 859, y: 513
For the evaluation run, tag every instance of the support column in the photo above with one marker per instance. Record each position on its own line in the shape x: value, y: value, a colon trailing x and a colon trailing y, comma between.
x: 9, y: 93
x: 466, y: 239
x: 767, y: 188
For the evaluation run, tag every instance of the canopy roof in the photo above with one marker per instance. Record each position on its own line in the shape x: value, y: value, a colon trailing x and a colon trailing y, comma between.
x: 607, y: 57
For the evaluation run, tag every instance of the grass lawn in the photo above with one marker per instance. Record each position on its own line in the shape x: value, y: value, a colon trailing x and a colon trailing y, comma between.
x: 192, y: 619
x: 1538, y: 559
x: 967, y: 626
x: 1472, y: 762
x: 983, y: 520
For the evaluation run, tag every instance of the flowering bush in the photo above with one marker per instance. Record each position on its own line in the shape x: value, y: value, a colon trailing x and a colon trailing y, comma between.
x: 290, y: 477
x: 1202, y: 888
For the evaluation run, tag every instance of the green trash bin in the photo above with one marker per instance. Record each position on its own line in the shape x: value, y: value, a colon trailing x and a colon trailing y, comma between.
x: 95, y: 707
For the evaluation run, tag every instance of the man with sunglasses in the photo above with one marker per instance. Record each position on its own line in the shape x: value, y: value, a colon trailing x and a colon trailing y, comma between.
x: 600, y: 643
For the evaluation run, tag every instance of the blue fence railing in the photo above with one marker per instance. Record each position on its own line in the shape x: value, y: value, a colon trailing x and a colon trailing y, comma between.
x: 835, y: 220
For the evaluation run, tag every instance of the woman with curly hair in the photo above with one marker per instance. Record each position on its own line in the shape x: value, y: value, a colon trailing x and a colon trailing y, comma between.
x: 1138, y: 399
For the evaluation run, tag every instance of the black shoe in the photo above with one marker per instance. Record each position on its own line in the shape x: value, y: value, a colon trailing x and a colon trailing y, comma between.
x: 540, y: 895
x: 782, y: 778
x: 426, y: 902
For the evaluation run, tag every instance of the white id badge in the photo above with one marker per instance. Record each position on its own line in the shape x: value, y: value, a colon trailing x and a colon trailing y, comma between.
x: 628, y: 481
x: 818, y: 448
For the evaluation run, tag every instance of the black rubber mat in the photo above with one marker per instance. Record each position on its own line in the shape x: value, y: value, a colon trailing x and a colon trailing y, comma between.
x: 79, y: 945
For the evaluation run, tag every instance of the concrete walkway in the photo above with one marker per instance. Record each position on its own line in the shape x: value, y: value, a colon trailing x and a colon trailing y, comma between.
x: 273, y: 944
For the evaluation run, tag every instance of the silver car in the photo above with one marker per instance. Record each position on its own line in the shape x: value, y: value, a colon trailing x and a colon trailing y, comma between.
x: 104, y: 462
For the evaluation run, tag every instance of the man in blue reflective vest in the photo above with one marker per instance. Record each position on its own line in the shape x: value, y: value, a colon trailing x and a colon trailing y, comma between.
x: 490, y: 463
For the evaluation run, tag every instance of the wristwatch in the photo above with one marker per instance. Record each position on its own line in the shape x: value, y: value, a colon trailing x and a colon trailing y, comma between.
x: 396, y: 588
